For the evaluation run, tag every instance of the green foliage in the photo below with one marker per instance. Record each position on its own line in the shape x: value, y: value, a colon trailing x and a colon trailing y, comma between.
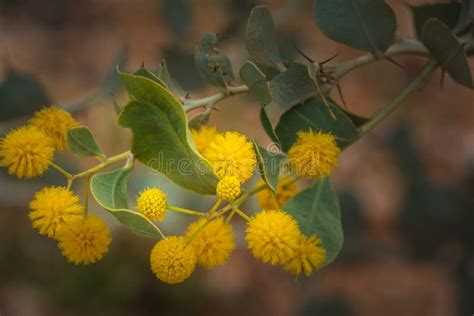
x: 368, y: 25
x: 314, y: 114
x: 81, y: 143
x: 260, y: 38
x: 143, y: 72
x: 268, y: 166
x: 258, y: 85
x: 317, y: 211
x: 20, y: 95
x: 293, y: 86
x: 164, y: 75
x: 212, y: 65
x: 448, y: 13
x: 110, y: 191
x: 267, y: 125
x: 447, y: 50
x: 161, y: 137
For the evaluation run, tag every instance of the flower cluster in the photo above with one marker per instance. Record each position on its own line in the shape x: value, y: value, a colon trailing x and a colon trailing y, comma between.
x: 55, y: 212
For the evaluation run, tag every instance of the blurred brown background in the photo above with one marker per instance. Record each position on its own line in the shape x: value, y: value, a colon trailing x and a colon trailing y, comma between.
x: 406, y: 189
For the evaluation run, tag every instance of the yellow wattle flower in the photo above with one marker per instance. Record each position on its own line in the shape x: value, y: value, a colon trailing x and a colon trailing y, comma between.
x: 203, y: 137
x: 272, y: 236
x: 172, y: 260
x: 53, y: 209
x: 286, y: 190
x: 214, y: 244
x: 309, y: 256
x: 153, y: 204
x: 54, y: 122
x: 26, y: 152
x: 314, y: 154
x: 228, y: 188
x: 85, y: 241
x: 231, y: 154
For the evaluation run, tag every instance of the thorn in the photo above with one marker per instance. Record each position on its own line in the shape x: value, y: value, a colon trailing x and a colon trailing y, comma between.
x: 393, y: 61
x: 215, y: 109
x: 187, y: 96
x: 329, y: 59
x: 339, y: 90
x: 304, y: 55
x: 143, y: 64
x: 162, y: 63
x: 441, y: 80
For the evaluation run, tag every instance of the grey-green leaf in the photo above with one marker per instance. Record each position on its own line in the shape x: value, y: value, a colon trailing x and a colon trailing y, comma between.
x: 267, y: 125
x: 142, y: 71
x: 212, y: 65
x: 448, y: 51
x: 258, y: 85
x: 293, y: 86
x: 164, y: 75
x: 161, y: 137
x: 81, y: 142
x: 317, y: 212
x: 110, y: 191
x: 315, y: 115
x: 446, y: 12
x: 261, y: 40
x: 368, y: 25
x: 269, y: 165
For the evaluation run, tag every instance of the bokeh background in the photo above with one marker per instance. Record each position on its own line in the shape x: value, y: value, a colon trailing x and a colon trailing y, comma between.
x: 406, y: 190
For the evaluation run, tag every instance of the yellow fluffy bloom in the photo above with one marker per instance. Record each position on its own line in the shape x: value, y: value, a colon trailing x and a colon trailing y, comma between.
x: 309, y: 256
x: 231, y: 154
x: 314, y: 154
x: 272, y: 236
x: 286, y: 190
x: 228, y: 189
x: 172, y: 261
x: 86, y: 240
x: 53, y: 208
x: 203, y: 137
x: 153, y: 204
x: 214, y: 244
x: 26, y: 151
x: 55, y: 123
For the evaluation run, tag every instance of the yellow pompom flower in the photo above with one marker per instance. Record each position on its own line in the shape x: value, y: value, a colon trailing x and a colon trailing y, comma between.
x: 228, y: 189
x: 272, y: 236
x: 55, y: 123
x: 86, y: 240
x: 203, y: 137
x: 286, y: 189
x: 314, y: 154
x: 26, y: 152
x: 53, y: 209
x: 153, y: 204
x: 172, y: 260
x: 309, y: 256
x: 231, y: 154
x: 214, y: 244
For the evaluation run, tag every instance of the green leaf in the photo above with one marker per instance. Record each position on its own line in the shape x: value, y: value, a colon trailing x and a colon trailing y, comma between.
x: 267, y: 125
x: 261, y: 40
x: 317, y: 211
x: 212, y: 65
x: 199, y: 119
x: 255, y: 79
x: 178, y: 15
x: 110, y: 191
x: 368, y: 25
x: 164, y: 75
x: 161, y: 137
x: 142, y: 71
x: 314, y: 114
x: 293, y: 86
x: 21, y: 95
x: 81, y: 143
x: 269, y: 166
x: 448, y: 51
x: 446, y: 12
